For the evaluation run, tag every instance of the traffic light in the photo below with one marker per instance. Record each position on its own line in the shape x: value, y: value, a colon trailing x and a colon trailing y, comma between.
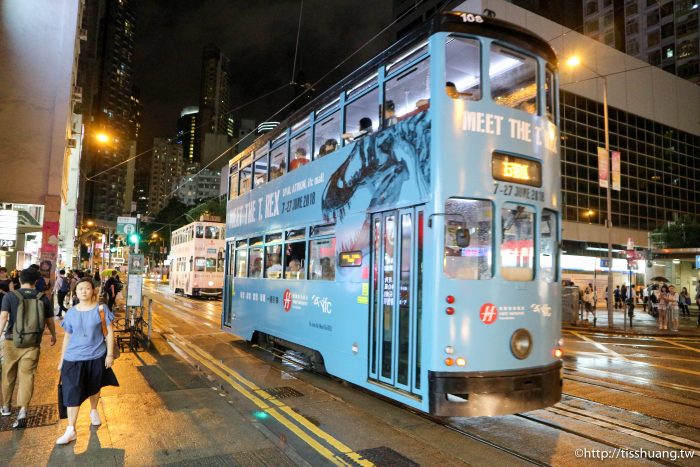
x: 134, y: 238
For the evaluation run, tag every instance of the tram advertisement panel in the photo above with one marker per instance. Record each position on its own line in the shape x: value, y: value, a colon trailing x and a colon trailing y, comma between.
x: 386, y: 169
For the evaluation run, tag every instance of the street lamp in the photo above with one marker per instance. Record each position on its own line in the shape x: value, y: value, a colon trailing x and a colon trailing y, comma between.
x: 573, y: 62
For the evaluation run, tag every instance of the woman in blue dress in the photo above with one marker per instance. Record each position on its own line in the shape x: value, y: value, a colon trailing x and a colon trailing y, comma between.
x: 87, y: 355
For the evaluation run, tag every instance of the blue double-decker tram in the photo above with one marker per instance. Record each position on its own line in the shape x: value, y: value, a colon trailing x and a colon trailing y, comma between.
x: 402, y: 231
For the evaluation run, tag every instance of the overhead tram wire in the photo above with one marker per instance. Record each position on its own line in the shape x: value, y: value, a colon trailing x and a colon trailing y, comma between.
x: 306, y: 90
x: 296, y: 49
x: 92, y: 177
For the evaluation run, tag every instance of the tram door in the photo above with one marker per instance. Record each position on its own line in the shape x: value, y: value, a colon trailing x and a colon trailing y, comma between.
x: 395, y: 310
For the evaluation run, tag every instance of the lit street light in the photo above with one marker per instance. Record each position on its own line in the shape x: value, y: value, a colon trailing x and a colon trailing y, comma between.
x: 573, y: 62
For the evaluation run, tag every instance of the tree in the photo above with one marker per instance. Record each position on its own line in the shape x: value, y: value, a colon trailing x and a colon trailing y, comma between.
x: 214, y: 207
x: 682, y: 234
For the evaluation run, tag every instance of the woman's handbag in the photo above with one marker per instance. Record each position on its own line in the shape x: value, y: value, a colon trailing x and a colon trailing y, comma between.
x: 62, y: 409
x: 115, y: 348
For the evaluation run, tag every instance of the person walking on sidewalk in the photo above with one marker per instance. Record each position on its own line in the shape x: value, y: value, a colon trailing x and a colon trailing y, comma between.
x: 684, y: 303
x: 589, y: 302
x: 663, y: 308
x: 87, y: 355
x: 21, y: 359
x: 672, y: 310
x: 61, y: 288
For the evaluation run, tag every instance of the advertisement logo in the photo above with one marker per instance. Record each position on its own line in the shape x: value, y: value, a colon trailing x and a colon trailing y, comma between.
x: 324, y: 303
x: 287, y: 300
x: 488, y: 314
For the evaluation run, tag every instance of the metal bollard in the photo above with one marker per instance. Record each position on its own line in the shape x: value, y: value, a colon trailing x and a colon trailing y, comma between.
x: 150, y: 320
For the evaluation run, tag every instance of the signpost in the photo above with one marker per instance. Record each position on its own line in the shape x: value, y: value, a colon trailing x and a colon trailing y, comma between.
x: 126, y: 225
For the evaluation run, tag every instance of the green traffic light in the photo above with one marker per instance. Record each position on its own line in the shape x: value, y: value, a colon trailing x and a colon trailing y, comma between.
x: 134, y: 238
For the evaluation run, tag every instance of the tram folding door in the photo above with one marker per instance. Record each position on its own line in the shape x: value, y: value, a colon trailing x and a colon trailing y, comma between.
x: 395, y: 312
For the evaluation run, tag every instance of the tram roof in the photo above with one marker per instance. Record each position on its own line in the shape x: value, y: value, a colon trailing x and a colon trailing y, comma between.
x: 449, y: 21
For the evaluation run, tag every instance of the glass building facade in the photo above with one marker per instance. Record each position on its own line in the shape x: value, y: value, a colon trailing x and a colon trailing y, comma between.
x: 660, y: 167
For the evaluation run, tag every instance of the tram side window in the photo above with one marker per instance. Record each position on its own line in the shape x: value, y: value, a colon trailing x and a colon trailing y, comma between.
x: 407, y: 94
x: 278, y: 164
x: 242, y: 262
x: 295, y: 260
x: 322, y: 259
x: 472, y: 220
x: 361, y: 116
x: 210, y: 265
x: 199, y: 264
x: 462, y: 68
x: 211, y: 231
x: 233, y: 181
x: 273, y: 261
x: 246, y: 174
x: 326, y: 135
x: 513, y: 79
x: 548, y: 245
x: 300, y: 151
x: 256, y: 262
x: 517, y: 242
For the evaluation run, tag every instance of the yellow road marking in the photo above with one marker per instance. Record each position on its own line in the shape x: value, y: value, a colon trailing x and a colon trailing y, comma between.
x: 338, y: 445
x: 668, y: 341
x: 325, y: 452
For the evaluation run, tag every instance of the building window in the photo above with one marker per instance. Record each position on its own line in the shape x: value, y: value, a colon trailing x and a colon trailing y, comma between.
x: 652, y: 39
x: 667, y: 9
x: 632, y: 27
x: 667, y: 52
x: 592, y: 7
x: 653, y: 18
x: 631, y: 9
x: 667, y: 30
x: 687, y: 49
x: 591, y: 26
x: 633, y: 48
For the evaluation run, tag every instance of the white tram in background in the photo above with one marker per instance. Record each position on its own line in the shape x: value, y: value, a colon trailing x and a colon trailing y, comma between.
x: 197, y: 259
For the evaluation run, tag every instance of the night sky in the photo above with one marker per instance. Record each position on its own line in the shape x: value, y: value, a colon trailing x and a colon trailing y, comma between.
x: 259, y: 39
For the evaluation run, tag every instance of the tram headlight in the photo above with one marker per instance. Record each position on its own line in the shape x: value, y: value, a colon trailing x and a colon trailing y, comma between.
x: 211, y: 283
x: 521, y: 344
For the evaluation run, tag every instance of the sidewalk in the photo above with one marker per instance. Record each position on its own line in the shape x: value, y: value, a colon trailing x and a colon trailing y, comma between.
x: 164, y: 412
x: 643, y: 324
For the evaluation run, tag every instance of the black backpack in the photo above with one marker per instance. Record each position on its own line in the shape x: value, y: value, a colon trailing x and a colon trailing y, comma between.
x: 29, y: 324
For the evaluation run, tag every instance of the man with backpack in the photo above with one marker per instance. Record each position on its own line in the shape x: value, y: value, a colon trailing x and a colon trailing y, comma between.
x: 27, y: 312
x: 61, y: 289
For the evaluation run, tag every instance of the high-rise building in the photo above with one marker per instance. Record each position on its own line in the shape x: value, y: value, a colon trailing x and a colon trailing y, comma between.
x: 188, y: 136
x: 196, y: 187
x: 40, y: 41
x: 216, y: 122
x: 662, y: 33
x: 110, y: 107
x: 166, y: 169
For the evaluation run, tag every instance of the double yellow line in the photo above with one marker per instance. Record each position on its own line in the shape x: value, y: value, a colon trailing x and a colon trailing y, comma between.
x: 274, y: 407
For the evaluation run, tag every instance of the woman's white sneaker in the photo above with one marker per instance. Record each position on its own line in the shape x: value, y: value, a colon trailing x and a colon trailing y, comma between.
x: 95, y: 418
x: 68, y: 436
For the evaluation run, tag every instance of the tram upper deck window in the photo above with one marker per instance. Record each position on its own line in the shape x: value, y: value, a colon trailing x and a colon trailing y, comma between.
x: 278, y: 164
x: 327, y: 135
x: 199, y: 231
x: 211, y: 231
x: 260, y: 167
x: 233, y: 181
x: 407, y: 94
x: 548, y: 245
x: 406, y: 58
x: 300, y: 151
x: 246, y: 174
x: 550, y: 100
x: 474, y: 261
x: 361, y: 116
x: 462, y: 68
x: 517, y: 242
x: 513, y: 78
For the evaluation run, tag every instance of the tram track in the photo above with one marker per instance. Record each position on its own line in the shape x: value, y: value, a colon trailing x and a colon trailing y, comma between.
x: 559, y: 414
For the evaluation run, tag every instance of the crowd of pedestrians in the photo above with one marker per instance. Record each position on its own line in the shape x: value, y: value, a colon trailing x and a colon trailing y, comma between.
x: 27, y: 309
x: 662, y: 301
